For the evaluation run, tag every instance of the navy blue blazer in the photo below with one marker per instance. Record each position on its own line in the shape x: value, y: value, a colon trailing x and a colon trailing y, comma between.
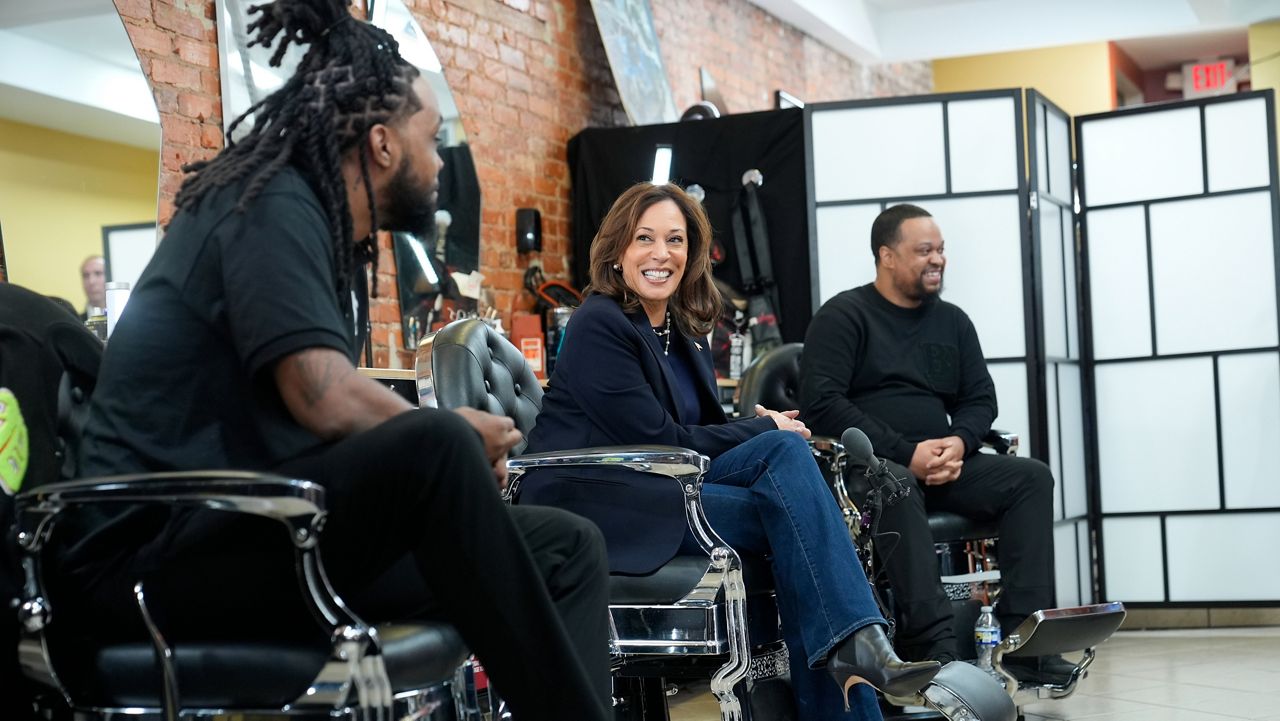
x: 612, y: 386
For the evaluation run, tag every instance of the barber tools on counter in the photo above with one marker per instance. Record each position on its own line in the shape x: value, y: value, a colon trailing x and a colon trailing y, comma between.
x: 556, y: 301
x: 102, y: 321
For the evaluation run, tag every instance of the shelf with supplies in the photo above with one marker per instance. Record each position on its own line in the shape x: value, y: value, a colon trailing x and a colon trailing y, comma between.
x: 728, y: 389
x: 404, y: 374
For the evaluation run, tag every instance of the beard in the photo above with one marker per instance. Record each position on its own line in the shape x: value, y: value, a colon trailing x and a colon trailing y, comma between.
x: 917, y: 290
x: 411, y: 205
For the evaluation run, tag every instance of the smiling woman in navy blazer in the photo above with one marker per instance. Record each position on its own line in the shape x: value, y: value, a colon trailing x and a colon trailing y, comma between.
x: 634, y: 368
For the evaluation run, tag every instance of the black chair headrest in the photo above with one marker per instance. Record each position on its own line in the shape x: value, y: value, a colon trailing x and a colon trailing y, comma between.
x: 772, y: 380
x: 473, y: 365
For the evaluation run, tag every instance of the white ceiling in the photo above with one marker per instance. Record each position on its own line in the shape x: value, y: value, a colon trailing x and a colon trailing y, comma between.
x: 14, y: 14
x: 905, y: 30
x: 68, y: 65
x: 98, y: 35
x: 1163, y: 52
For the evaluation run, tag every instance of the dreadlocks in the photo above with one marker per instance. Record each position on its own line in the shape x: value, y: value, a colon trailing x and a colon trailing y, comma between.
x: 351, y: 78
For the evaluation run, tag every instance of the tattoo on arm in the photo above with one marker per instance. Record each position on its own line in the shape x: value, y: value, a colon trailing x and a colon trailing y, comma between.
x: 317, y: 373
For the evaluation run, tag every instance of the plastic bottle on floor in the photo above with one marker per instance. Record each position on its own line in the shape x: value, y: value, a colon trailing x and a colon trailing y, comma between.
x: 986, y: 636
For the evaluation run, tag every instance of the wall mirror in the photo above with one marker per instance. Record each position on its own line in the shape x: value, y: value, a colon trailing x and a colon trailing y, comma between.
x: 424, y: 264
x: 79, y: 144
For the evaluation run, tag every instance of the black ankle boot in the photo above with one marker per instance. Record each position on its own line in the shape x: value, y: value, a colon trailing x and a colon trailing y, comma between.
x: 867, y: 657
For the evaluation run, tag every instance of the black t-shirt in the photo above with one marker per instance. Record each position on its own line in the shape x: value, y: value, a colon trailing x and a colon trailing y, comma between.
x: 187, y: 382
x: 902, y: 375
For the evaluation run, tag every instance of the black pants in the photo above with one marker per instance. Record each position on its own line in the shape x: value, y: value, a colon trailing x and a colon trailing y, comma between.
x: 1017, y: 493
x: 416, y: 529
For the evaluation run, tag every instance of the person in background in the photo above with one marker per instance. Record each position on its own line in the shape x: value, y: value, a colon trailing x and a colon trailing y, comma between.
x: 635, y: 369
x: 93, y: 278
x: 904, y: 366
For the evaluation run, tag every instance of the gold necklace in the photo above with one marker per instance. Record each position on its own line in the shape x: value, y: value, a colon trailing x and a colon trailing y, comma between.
x: 665, y: 333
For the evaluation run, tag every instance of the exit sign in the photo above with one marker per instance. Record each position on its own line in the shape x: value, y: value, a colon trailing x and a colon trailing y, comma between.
x: 1212, y: 78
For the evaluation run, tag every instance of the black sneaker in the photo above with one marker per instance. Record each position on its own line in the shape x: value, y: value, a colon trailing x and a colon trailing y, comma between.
x: 1040, y: 670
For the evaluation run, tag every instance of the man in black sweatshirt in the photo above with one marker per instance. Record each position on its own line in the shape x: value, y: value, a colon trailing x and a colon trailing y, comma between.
x: 894, y: 360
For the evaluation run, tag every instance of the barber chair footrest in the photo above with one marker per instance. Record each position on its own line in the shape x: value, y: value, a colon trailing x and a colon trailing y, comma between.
x: 962, y: 692
x: 1056, y: 631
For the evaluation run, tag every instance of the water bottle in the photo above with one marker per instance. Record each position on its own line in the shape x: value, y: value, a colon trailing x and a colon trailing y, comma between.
x: 117, y: 298
x: 986, y: 636
x: 96, y: 321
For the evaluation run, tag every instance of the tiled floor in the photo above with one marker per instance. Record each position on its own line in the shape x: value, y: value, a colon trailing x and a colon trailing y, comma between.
x: 1186, y: 675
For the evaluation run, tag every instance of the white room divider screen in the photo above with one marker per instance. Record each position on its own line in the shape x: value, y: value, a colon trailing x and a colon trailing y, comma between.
x: 1060, y: 379
x: 962, y: 157
x: 1179, y: 235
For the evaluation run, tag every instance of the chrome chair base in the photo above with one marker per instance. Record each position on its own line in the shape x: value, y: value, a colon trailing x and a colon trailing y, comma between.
x: 642, y: 685
x: 430, y: 704
x: 669, y: 629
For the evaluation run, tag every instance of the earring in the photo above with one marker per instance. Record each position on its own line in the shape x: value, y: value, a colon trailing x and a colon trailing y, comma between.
x: 617, y: 266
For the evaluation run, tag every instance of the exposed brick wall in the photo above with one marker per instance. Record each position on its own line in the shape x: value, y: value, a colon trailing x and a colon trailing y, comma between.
x: 751, y: 53
x: 527, y: 75
x: 177, y: 46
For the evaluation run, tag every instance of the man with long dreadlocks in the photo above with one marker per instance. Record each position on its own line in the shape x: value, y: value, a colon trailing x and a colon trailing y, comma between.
x: 237, y: 352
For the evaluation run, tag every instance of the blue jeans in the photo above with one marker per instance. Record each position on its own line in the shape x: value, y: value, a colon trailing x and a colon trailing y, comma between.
x: 766, y: 497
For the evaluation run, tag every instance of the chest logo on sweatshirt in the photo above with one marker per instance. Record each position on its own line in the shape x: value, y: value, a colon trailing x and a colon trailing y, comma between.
x: 942, y: 366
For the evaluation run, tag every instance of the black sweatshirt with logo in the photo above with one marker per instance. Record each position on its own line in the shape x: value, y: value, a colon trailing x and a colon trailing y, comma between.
x: 902, y: 375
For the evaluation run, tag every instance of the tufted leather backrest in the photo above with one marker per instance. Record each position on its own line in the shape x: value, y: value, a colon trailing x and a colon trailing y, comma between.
x: 772, y: 380
x: 471, y: 364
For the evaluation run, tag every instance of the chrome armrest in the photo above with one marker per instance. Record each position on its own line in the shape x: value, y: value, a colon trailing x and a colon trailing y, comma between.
x: 298, y: 504
x: 829, y: 453
x: 832, y: 460
x: 681, y: 464
x: 665, y: 460
x: 720, y: 585
x: 684, y: 466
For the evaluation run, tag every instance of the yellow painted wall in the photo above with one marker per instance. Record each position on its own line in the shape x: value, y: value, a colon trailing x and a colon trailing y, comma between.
x: 1264, y: 58
x: 56, y: 192
x: 1078, y: 78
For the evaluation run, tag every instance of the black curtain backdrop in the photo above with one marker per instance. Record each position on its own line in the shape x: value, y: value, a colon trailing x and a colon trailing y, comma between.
x: 714, y: 153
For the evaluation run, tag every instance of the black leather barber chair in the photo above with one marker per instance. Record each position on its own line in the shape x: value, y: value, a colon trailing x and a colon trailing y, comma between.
x: 964, y: 546
x: 350, y: 669
x: 688, y: 619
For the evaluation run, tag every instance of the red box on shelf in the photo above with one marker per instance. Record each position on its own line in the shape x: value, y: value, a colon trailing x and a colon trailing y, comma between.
x: 526, y: 334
